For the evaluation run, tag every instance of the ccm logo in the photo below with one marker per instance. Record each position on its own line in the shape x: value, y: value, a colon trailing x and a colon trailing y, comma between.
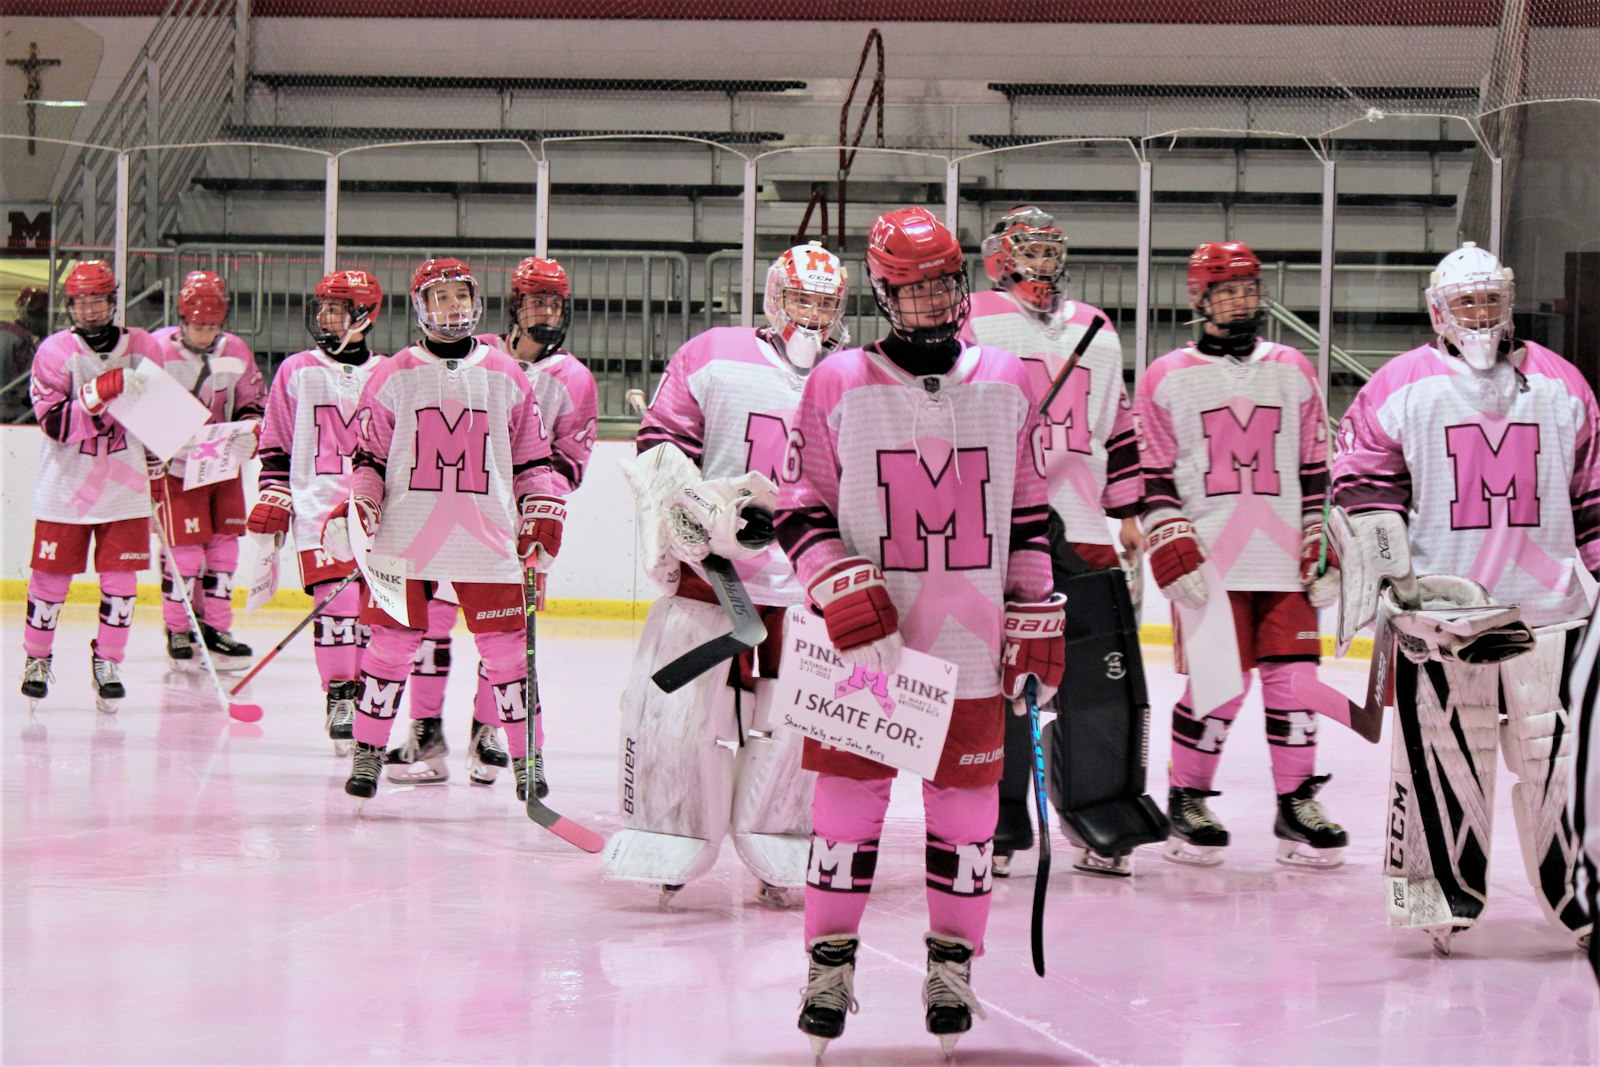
x: 975, y: 758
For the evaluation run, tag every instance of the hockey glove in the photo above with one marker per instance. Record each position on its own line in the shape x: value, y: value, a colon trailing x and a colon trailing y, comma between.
x: 1323, y: 588
x: 154, y: 468
x: 273, y: 511
x: 862, y: 621
x: 539, y: 533
x: 728, y: 517
x: 336, y: 531
x: 1175, y: 559
x: 244, y: 445
x: 1036, y: 646
x: 107, y: 387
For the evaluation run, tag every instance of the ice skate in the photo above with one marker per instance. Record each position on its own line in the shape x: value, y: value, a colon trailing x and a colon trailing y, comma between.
x: 36, y: 679
x: 668, y: 892
x: 227, y: 654
x: 108, y: 689
x: 420, y: 760
x: 485, y: 756
x: 1198, y: 837
x: 341, y: 721
x: 366, y: 763
x: 1090, y: 862
x: 1012, y: 834
x: 947, y: 995
x: 780, y: 898
x: 180, y: 650
x: 830, y: 991
x: 541, y: 788
x: 1306, y: 836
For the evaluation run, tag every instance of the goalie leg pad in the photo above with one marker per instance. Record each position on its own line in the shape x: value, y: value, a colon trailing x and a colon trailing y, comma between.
x: 1441, y: 794
x: 1536, y: 742
x: 676, y: 779
x: 772, y: 799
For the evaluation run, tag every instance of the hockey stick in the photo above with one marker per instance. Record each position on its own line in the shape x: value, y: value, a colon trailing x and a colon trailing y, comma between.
x: 242, y: 712
x: 748, y: 630
x: 1072, y: 362
x: 1041, y: 801
x: 294, y: 632
x: 541, y: 813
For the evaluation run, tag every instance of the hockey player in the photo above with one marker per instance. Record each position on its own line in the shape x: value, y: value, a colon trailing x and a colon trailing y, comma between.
x: 540, y: 310
x: 1091, y: 455
x: 712, y: 447
x: 308, y: 437
x: 203, y: 525
x: 1477, y: 456
x: 1585, y: 690
x: 91, y: 481
x: 1233, y: 436
x: 453, y: 477
x: 914, y: 510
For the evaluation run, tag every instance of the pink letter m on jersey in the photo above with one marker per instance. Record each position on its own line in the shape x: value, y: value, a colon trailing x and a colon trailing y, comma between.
x: 1234, y: 446
x: 462, y: 444
x: 1484, y: 471
x: 336, y: 438
x: 918, y: 503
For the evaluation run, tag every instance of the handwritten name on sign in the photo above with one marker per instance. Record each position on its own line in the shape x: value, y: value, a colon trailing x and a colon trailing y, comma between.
x: 899, y: 718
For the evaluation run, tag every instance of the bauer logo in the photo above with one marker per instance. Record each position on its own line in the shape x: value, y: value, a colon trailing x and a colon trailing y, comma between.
x: 630, y: 763
x: 973, y: 759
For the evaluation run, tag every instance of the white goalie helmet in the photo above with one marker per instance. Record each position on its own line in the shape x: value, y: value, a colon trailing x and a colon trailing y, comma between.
x: 806, y: 288
x: 1469, y: 300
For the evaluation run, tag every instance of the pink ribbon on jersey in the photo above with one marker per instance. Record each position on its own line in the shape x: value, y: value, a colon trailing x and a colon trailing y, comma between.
x: 88, y: 494
x: 874, y: 683
x: 1252, y: 514
x: 431, y: 538
x: 1504, y: 545
x: 1074, y: 470
x: 950, y: 595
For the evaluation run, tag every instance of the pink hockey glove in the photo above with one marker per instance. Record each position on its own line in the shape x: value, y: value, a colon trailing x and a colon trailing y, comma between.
x: 274, y: 508
x: 336, y: 531
x: 1175, y: 558
x: 1322, y: 589
x: 862, y: 621
x: 539, y: 534
x: 1036, y: 645
x: 95, y: 395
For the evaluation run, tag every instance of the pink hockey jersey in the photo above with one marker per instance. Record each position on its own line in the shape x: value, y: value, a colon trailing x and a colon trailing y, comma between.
x: 727, y: 399
x: 940, y: 481
x: 1498, y: 478
x: 226, y: 380
x: 90, y: 470
x: 448, y: 447
x: 1090, y: 452
x: 308, y: 436
x: 1241, y: 448
x: 569, y: 407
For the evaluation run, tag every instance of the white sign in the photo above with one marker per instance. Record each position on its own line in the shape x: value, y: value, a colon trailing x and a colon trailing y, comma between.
x: 1211, y: 647
x: 263, y: 571
x: 211, y: 457
x: 899, y: 719
x: 163, y: 416
x: 386, y: 576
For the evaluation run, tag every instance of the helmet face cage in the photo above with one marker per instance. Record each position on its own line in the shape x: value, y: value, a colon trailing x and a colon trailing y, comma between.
x: 91, y: 291
x: 1231, y: 264
x: 805, y: 303
x: 1470, y: 302
x: 919, y: 276
x: 929, y: 312
x: 544, y: 280
x: 457, y: 321
x: 203, y: 300
x: 342, y: 307
x: 1026, y: 255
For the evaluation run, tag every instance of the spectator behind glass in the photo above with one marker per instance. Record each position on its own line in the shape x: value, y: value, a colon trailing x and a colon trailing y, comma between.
x: 18, y: 339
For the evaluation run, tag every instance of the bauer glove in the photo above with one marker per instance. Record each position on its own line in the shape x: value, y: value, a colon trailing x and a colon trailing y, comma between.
x: 96, y: 394
x: 336, y: 531
x: 273, y: 511
x: 1035, y: 646
x: 1321, y: 588
x: 1175, y: 559
x: 862, y: 621
x: 539, y: 532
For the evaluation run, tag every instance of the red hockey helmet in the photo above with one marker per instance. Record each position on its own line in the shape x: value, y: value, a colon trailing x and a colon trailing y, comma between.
x: 343, y: 305
x: 202, y: 299
x: 908, y: 249
x: 1220, y: 261
x: 92, y: 277
x: 1026, y: 255
x: 445, y: 323
x: 535, y: 275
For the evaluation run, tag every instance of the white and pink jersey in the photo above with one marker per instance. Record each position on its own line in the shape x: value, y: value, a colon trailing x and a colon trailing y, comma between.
x: 90, y: 470
x: 447, y: 448
x: 1240, y: 447
x: 940, y: 481
x: 308, y: 436
x: 569, y: 407
x: 1091, y: 455
x: 226, y: 379
x: 728, y: 399
x: 1498, y: 478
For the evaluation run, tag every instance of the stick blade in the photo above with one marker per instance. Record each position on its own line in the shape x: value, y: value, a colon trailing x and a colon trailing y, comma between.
x: 1040, y: 884
x: 245, y: 712
x: 1328, y: 702
x: 575, y: 834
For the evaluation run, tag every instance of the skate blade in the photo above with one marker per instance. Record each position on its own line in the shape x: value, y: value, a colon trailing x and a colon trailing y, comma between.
x: 1001, y: 866
x: 183, y: 666
x: 1442, y: 946
x: 229, y: 664
x: 342, y: 747
x: 1094, y: 863
x: 819, y: 1045
x: 423, y: 772
x: 483, y: 775
x: 947, y: 1045
x: 107, y: 705
x: 664, y: 901
x: 1180, y: 851
x: 1300, y: 854
x: 779, y: 898
x: 33, y: 704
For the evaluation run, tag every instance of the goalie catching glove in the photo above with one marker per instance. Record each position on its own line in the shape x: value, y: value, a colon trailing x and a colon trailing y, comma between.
x: 862, y: 621
x: 539, y: 533
x: 336, y: 531
x: 727, y: 517
x: 1175, y: 559
x: 1456, y: 619
x: 1036, y: 646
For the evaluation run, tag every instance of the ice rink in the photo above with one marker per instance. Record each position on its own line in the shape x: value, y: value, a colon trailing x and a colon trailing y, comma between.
x: 180, y: 889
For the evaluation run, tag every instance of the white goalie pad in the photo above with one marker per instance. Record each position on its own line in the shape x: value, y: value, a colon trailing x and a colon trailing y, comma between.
x: 1536, y: 741
x: 1372, y: 549
x: 1456, y: 619
x: 772, y: 799
x: 1441, y: 796
x: 655, y: 477
x: 676, y: 772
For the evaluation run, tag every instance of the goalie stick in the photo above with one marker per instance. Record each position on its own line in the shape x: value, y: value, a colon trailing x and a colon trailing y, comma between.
x: 1365, y: 719
x: 573, y: 833
x: 1072, y: 362
x: 748, y: 630
x: 1041, y: 801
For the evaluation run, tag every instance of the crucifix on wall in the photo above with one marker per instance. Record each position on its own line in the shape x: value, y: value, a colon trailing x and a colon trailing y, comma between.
x: 30, y: 70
